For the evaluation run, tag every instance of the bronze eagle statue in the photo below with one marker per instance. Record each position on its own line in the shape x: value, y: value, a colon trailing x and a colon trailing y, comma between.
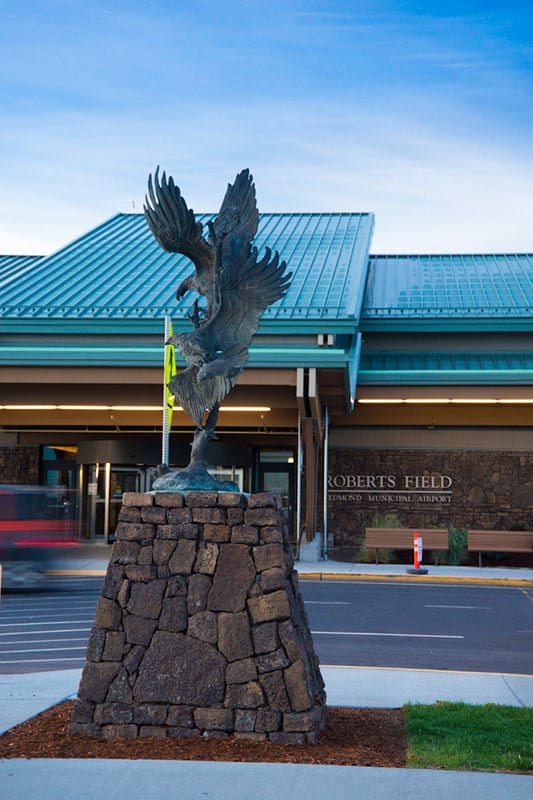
x: 236, y: 283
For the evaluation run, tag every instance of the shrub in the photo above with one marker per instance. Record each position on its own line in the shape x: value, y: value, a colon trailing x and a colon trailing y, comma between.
x: 367, y: 555
x: 457, y: 546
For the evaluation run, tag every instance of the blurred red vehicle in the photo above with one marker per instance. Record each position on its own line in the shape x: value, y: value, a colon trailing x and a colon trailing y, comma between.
x: 36, y: 532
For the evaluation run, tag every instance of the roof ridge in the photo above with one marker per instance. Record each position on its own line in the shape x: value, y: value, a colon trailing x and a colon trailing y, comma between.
x: 450, y: 255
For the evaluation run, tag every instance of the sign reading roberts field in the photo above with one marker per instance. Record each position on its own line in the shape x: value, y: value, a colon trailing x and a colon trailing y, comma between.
x: 390, y: 488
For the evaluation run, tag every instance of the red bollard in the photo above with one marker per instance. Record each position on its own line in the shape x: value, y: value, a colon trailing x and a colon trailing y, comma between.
x: 417, y: 549
x: 417, y: 555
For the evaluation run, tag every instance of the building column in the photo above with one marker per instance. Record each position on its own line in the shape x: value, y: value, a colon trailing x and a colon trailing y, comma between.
x: 312, y: 437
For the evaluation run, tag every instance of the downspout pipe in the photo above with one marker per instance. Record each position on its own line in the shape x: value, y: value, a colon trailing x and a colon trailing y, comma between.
x: 326, y: 466
x: 299, y: 488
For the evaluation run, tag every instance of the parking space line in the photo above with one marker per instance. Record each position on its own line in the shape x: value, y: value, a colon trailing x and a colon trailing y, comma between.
x: 375, y: 633
x: 473, y: 608
x: 80, y: 659
x: 54, y: 622
x: 56, y: 630
x: 46, y: 641
x: 326, y: 603
x: 43, y: 650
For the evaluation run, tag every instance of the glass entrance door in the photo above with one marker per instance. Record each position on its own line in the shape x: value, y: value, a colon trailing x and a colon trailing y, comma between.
x: 279, y: 479
x: 121, y: 480
x: 105, y: 488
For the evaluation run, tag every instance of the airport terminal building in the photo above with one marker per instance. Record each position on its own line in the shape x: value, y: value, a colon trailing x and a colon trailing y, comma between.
x: 379, y: 384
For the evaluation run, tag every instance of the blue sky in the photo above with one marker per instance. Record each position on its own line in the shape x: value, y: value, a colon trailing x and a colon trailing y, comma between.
x: 420, y: 112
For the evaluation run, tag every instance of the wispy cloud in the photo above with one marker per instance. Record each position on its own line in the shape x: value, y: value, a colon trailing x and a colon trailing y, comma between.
x: 422, y: 116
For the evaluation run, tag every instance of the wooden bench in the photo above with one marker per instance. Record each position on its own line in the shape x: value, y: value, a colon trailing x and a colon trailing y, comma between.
x: 402, y: 539
x: 500, y: 542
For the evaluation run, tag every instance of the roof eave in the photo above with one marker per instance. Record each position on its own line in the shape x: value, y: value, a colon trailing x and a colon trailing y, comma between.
x: 445, y: 324
x: 441, y: 377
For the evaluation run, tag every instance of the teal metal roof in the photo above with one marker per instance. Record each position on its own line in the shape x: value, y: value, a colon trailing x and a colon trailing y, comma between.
x: 118, y: 271
x: 475, y: 287
x: 441, y: 367
x: 14, y: 267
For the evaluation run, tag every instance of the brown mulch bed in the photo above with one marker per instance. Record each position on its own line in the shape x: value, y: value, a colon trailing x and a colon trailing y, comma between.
x: 352, y: 737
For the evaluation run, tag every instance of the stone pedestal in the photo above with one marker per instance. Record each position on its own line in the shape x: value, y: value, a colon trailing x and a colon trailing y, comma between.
x: 200, y: 629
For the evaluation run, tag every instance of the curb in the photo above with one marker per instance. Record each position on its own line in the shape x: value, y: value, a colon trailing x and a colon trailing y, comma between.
x: 340, y: 576
x: 80, y: 572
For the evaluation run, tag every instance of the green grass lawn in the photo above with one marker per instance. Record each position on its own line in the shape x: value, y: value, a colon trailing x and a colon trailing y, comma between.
x: 464, y: 737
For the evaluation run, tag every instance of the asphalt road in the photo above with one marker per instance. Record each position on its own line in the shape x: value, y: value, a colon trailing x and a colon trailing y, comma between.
x: 47, y: 630
x: 432, y: 626
x: 436, y: 626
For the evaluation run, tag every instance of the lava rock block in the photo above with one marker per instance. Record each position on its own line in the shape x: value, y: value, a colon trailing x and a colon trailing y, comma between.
x: 201, y: 629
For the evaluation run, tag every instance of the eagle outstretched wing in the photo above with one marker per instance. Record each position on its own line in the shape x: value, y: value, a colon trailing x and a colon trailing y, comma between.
x: 174, y: 226
x: 236, y: 223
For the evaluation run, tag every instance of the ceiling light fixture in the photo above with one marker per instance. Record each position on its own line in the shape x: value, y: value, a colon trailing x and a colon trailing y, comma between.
x: 474, y: 400
x: 380, y: 400
x: 245, y: 408
x: 68, y: 407
x: 445, y: 400
x: 26, y: 407
x: 515, y: 400
x: 414, y: 400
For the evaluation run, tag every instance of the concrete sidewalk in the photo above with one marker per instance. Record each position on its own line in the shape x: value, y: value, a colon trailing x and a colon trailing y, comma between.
x: 73, y: 779
x: 339, y: 570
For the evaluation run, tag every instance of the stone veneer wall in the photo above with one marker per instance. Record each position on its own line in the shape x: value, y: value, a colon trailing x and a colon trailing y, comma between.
x: 19, y: 464
x: 200, y: 629
x: 489, y: 490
